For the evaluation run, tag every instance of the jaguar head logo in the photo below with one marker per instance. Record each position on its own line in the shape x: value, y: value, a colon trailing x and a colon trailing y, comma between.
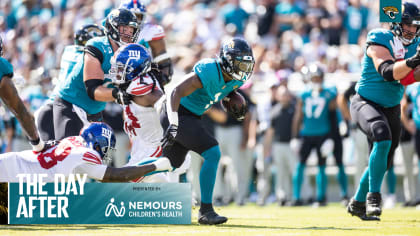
x: 391, y: 11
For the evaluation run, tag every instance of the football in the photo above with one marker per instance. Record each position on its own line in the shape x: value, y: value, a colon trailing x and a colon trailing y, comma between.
x: 417, y: 73
x: 233, y: 101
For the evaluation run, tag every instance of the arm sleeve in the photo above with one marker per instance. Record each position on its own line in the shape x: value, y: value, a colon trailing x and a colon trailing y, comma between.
x: 350, y: 91
x: 92, y: 170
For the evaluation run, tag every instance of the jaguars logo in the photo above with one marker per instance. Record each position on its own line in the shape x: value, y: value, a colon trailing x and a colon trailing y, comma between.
x: 391, y: 11
x: 231, y: 44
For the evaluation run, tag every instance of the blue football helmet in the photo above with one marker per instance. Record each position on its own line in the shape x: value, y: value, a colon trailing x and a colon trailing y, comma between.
x: 100, y: 137
x: 130, y: 61
x: 137, y: 7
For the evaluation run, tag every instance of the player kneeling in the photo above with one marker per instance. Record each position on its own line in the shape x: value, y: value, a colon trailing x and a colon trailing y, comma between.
x: 84, y: 154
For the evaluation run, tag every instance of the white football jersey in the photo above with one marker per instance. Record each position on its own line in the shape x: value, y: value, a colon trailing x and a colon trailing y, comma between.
x: 69, y: 156
x: 142, y: 124
x: 150, y: 32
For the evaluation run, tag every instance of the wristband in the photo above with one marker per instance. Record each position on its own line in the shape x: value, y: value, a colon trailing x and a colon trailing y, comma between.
x: 37, y: 145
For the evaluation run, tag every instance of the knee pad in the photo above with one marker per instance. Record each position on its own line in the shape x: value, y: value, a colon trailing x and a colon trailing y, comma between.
x: 380, y: 131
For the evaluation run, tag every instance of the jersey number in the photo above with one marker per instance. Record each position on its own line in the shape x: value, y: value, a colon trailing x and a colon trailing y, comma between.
x: 48, y: 160
x: 132, y: 124
x: 314, y: 107
x: 216, y: 98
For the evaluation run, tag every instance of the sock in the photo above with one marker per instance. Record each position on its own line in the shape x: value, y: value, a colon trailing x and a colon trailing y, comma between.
x: 363, y: 188
x: 391, y: 180
x: 342, y: 180
x: 321, y: 184
x: 208, y: 173
x: 377, y: 164
x: 298, y: 180
x: 206, y: 207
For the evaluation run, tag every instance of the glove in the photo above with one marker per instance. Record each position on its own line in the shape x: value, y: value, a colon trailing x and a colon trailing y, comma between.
x: 414, y: 61
x: 121, y: 96
x: 169, y: 136
x: 238, y: 112
x: 159, y: 75
x: 295, y: 145
x: 327, y: 147
x: 40, y: 146
x: 397, y: 48
x: 163, y: 164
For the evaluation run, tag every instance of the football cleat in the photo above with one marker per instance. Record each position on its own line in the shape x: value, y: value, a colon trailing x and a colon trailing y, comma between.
x: 296, y: 203
x: 356, y: 208
x: 373, y: 204
x: 210, y: 218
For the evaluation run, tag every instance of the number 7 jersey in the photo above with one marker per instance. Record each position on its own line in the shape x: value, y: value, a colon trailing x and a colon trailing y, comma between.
x: 69, y: 156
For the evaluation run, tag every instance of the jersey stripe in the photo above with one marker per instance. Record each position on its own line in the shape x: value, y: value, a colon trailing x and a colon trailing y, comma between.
x: 142, y: 90
x: 91, y: 158
x: 138, y: 179
x: 158, y: 152
x: 158, y: 37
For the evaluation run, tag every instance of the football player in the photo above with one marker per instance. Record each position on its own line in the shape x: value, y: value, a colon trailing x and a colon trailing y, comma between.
x: 312, y: 121
x: 388, y: 64
x: 10, y: 97
x: 132, y: 67
x: 71, y: 55
x: 84, y: 93
x: 151, y: 36
x: 210, y: 81
x: 82, y: 154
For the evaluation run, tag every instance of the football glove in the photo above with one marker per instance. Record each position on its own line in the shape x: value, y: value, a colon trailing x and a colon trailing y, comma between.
x: 238, y: 112
x: 169, y: 136
x: 121, y: 96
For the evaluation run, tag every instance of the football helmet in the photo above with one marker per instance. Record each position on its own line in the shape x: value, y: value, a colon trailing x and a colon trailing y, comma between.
x: 82, y: 35
x: 410, y: 16
x: 138, y: 8
x: 121, y: 17
x: 1, y: 47
x: 315, y: 74
x: 237, y: 59
x: 315, y: 70
x: 101, y: 138
x: 130, y: 61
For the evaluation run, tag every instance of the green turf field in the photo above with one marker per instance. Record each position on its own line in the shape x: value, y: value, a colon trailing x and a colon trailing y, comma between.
x: 253, y: 220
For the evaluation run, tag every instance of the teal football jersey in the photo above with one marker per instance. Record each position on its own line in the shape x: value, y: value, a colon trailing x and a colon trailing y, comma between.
x: 6, y: 69
x: 73, y: 88
x: 413, y: 92
x: 214, y: 87
x: 372, y: 85
x: 316, y: 121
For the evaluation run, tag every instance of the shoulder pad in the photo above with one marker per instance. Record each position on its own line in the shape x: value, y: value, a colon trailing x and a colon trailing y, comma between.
x: 152, y: 32
x: 380, y: 36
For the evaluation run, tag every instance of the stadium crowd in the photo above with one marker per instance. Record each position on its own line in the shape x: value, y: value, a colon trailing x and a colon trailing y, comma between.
x: 286, y: 35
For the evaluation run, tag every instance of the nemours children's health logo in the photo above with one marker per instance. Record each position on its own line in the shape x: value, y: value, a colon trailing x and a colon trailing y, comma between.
x: 112, y: 208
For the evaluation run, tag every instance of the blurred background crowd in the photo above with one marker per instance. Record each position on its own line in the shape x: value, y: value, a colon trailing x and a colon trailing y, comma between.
x: 285, y: 35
